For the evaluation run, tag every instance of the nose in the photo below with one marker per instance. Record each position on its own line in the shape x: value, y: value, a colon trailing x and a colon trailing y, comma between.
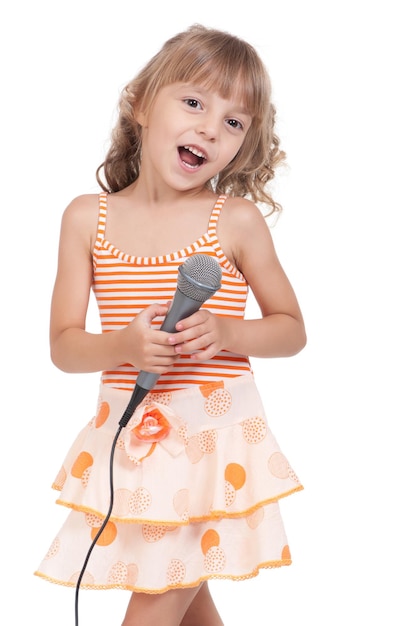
x: 208, y: 127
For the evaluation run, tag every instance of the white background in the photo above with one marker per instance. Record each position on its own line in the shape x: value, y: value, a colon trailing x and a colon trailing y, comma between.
x: 344, y: 80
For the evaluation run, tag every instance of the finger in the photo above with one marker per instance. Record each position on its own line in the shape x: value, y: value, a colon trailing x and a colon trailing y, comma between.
x: 190, y: 334
x: 204, y: 355
x: 196, y: 319
x: 154, y: 310
x: 158, y: 364
x: 199, y: 343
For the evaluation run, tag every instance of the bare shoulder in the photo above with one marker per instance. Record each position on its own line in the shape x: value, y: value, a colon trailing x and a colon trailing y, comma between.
x: 242, y: 226
x: 82, y: 207
x: 242, y: 209
x: 82, y: 211
x: 80, y: 218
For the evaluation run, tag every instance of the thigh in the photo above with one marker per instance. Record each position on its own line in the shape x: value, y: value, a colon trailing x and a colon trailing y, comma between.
x: 167, y: 608
x: 202, y: 610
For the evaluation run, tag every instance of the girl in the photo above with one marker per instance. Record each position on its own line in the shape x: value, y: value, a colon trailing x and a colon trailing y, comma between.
x: 193, y: 149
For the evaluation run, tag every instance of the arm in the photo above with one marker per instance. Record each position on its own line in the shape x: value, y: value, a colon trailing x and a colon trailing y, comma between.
x: 246, y: 239
x: 73, y: 349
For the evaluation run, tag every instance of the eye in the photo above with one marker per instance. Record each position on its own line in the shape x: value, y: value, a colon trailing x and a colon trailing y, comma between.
x: 235, y: 124
x: 193, y: 103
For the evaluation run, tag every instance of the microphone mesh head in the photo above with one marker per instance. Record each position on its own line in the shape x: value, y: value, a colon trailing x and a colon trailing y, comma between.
x: 199, y: 277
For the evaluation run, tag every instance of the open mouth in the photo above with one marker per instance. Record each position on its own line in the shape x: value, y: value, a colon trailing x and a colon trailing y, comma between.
x: 191, y: 157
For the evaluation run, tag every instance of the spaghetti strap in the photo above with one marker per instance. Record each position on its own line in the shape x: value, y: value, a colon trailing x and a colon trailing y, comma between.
x: 213, y: 236
x: 215, y: 214
x: 102, y: 219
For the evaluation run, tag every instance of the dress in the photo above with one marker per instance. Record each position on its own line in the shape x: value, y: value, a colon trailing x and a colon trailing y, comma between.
x: 196, y: 499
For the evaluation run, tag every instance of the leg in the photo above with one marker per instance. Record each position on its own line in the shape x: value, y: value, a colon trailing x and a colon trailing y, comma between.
x: 165, y: 609
x: 202, y: 610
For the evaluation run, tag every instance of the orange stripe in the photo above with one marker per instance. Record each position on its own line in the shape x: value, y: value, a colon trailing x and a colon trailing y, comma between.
x: 125, y: 284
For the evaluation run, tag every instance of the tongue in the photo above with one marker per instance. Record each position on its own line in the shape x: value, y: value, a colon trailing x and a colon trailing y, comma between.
x: 188, y: 157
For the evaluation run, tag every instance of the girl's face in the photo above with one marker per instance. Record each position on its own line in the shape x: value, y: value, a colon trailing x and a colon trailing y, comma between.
x: 190, y: 134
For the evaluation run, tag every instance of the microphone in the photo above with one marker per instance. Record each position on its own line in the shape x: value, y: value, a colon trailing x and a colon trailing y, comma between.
x: 198, y: 279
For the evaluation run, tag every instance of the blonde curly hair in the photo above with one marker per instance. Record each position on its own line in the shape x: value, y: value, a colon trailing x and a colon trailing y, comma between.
x: 219, y: 61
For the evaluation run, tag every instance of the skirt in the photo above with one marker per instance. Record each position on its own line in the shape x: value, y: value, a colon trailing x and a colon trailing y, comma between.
x: 196, y: 479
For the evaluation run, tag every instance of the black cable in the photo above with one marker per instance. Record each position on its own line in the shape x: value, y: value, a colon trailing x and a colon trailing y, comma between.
x: 103, y: 525
x: 137, y: 397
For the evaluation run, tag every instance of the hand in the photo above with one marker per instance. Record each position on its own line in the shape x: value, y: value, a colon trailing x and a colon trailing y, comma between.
x: 146, y: 348
x: 202, y: 335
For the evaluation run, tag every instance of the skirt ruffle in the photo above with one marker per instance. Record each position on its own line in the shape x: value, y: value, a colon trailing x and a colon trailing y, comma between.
x: 197, y: 478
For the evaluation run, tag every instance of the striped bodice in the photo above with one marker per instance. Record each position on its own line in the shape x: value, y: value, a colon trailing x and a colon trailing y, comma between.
x: 124, y: 285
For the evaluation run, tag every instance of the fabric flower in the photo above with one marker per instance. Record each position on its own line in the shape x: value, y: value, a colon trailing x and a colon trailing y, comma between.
x: 152, y: 425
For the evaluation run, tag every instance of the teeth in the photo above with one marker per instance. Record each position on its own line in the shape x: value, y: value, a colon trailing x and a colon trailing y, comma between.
x: 195, y: 151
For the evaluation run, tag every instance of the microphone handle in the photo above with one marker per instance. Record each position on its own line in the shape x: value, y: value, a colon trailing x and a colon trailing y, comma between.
x: 182, y: 306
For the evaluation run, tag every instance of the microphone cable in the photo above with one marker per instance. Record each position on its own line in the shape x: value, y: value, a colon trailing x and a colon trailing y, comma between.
x: 137, y: 397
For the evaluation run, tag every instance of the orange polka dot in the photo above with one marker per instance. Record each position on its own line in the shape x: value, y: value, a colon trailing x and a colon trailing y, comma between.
x: 102, y: 415
x: 122, y: 574
x: 254, y: 429
x: 82, y: 462
x: 59, y: 481
x: 121, y: 502
x: 209, y: 539
x: 214, y: 560
x: 162, y: 397
x: 193, y: 450
x: 93, y: 520
x: 117, y: 574
x: 181, y: 503
x: 151, y: 533
x: 229, y: 493
x: 132, y: 574
x: 256, y: 518
x: 218, y: 402
x: 286, y: 556
x: 208, y: 388
x: 293, y: 476
x: 54, y: 549
x: 120, y: 444
x: 278, y: 465
x: 183, y: 433
x: 107, y: 536
x: 235, y: 474
x: 85, y: 477
x: 207, y: 440
x: 171, y: 529
x: 87, y: 578
x: 176, y: 572
x: 139, y: 501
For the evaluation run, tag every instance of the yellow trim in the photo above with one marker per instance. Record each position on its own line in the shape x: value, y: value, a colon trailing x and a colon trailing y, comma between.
x: 252, y: 574
x: 213, y: 516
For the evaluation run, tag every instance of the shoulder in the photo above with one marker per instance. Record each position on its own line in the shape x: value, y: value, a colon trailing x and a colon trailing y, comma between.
x: 242, y: 209
x: 82, y: 207
x: 243, y: 215
x: 82, y: 211
x: 81, y: 216
x: 241, y: 228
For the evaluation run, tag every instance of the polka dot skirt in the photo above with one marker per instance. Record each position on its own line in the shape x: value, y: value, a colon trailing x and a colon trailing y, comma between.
x: 197, y: 479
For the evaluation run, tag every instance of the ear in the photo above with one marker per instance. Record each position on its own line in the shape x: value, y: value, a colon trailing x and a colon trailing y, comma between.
x: 141, y: 118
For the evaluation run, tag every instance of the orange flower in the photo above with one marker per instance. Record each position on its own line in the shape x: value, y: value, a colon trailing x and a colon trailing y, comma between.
x: 153, y: 427
x: 149, y: 428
